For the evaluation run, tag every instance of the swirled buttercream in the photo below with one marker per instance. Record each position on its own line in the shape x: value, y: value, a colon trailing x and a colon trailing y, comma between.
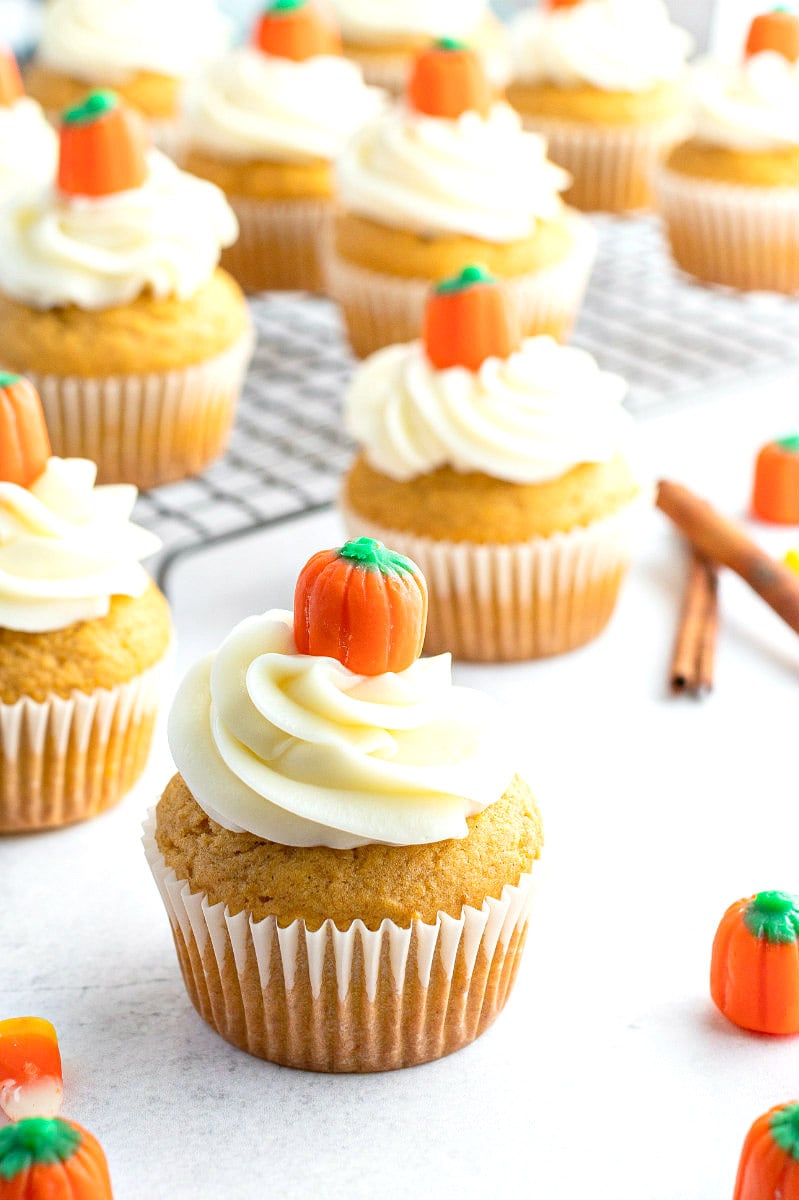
x: 67, y: 547
x: 28, y: 147
x: 100, y: 252
x: 614, y: 45
x: 374, y: 22
x: 100, y: 41
x: 250, y: 105
x: 753, y: 105
x: 480, y: 176
x: 300, y: 750
x: 525, y: 419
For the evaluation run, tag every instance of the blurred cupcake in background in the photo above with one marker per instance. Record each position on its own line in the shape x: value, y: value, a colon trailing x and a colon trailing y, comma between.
x: 604, y: 81
x: 450, y: 177
x: 28, y: 145
x: 730, y: 195
x: 265, y: 123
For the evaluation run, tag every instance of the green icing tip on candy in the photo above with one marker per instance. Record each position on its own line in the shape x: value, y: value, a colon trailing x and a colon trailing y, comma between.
x: 785, y: 1129
x: 8, y: 379
x: 37, y: 1141
x: 368, y: 552
x: 790, y: 443
x: 91, y: 109
x: 450, y: 43
x: 774, y: 917
x: 284, y: 6
x: 468, y: 277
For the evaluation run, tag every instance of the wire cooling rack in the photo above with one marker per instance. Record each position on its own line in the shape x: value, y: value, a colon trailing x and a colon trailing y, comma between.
x: 672, y: 340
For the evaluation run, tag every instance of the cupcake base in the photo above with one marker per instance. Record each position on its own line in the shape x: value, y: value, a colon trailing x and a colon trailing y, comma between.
x: 278, y: 248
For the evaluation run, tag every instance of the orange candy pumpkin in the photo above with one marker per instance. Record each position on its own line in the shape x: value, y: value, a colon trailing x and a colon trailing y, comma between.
x: 102, y: 148
x: 754, y: 967
x: 10, y: 79
x: 363, y: 605
x: 296, y: 29
x: 448, y: 80
x: 24, y: 442
x: 42, y: 1159
x: 769, y: 1163
x: 563, y: 3
x: 776, y: 492
x: 467, y: 320
x: 777, y: 31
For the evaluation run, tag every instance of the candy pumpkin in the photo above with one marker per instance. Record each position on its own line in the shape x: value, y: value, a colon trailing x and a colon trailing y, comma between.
x: 30, y: 1068
x: 778, y: 31
x: 363, y: 605
x: 448, y: 80
x: 776, y: 492
x: 102, y: 148
x: 754, y: 968
x: 43, y: 1159
x: 296, y: 29
x: 24, y: 443
x: 769, y: 1163
x: 467, y: 319
x: 563, y: 3
x: 10, y: 79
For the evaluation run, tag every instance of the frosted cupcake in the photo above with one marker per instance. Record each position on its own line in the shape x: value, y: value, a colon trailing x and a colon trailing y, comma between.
x: 730, y: 195
x: 83, y: 630
x: 27, y: 142
x: 265, y: 124
x: 603, y: 80
x: 505, y: 468
x: 346, y: 854
x: 450, y: 177
x: 112, y: 302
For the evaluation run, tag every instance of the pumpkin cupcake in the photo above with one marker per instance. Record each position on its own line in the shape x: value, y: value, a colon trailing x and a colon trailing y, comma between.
x: 27, y: 142
x: 83, y: 630
x: 447, y: 178
x: 346, y: 855
x: 730, y: 195
x: 265, y: 124
x: 603, y: 81
x: 112, y: 302
x: 505, y: 468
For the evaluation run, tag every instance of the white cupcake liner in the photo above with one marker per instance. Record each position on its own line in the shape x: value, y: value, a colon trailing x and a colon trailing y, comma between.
x: 384, y: 310
x: 506, y: 603
x: 733, y: 234
x: 279, y: 242
x: 146, y: 429
x: 63, y: 760
x: 344, y: 1000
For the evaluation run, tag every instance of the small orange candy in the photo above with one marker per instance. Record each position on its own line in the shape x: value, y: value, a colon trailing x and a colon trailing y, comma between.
x: 778, y: 31
x: 10, y: 79
x: 775, y: 496
x: 30, y: 1068
x: 295, y: 29
x: 467, y: 320
x: 448, y: 80
x: 563, y: 3
x: 24, y: 442
x: 754, y: 965
x: 102, y: 148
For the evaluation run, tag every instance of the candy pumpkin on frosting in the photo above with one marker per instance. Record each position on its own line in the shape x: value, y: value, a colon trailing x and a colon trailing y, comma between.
x: 24, y: 442
x: 10, y: 79
x: 467, y: 320
x: 295, y: 29
x: 51, y: 1159
x: 363, y: 605
x: 754, y: 969
x: 102, y: 148
x: 778, y: 31
x: 769, y: 1163
x: 448, y: 80
x: 563, y: 3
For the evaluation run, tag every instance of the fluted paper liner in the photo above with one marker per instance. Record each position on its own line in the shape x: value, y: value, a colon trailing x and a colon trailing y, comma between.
x: 384, y: 310
x: 504, y: 603
x: 278, y: 246
x: 733, y: 234
x: 63, y: 760
x: 146, y: 429
x: 344, y: 1000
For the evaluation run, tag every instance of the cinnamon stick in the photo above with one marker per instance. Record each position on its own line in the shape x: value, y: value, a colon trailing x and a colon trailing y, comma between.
x: 695, y: 647
x: 722, y: 541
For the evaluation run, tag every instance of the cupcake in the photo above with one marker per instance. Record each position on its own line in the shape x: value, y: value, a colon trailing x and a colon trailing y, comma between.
x: 265, y: 124
x: 603, y: 80
x: 450, y: 177
x: 504, y: 467
x: 346, y: 854
x: 144, y: 49
x: 112, y: 302
x: 384, y: 36
x: 28, y: 144
x: 83, y: 630
x: 730, y: 195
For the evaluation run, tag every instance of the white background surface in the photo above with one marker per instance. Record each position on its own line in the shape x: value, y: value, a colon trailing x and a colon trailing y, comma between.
x: 609, y: 1074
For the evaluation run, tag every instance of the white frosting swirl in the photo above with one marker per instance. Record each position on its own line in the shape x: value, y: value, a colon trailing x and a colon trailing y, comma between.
x: 753, y: 105
x: 164, y: 236
x: 67, y: 547
x: 481, y: 176
x: 300, y: 750
x: 615, y: 45
x: 28, y: 147
x: 375, y: 22
x: 111, y: 41
x: 254, y: 105
x: 525, y: 419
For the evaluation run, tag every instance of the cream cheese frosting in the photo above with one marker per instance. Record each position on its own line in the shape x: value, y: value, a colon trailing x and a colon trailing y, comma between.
x: 753, y: 105
x: 480, y: 176
x: 525, y: 419
x: 375, y: 22
x: 251, y: 105
x: 67, y: 547
x: 28, y: 147
x: 614, y: 45
x: 164, y: 236
x: 111, y: 41
x: 299, y: 750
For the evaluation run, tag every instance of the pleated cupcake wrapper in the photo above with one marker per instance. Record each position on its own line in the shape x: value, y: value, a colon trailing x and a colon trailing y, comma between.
x: 612, y: 166
x: 63, y: 760
x: 344, y: 1000
x: 279, y: 241
x: 733, y: 234
x: 150, y: 428
x: 504, y: 603
x: 381, y: 310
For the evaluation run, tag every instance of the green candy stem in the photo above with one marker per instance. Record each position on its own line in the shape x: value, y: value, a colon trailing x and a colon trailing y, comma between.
x: 8, y: 379
x: 37, y: 1141
x: 95, y: 106
x: 469, y: 277
x: 284, y: 6
x: 369, y: 553
x: 789, y: 443
x: 450, y: 43
x: 773, y: 917
x: 785, y: 1129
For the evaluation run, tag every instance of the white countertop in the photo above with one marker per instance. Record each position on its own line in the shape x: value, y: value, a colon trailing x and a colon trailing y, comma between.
x: 610, y: 1074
